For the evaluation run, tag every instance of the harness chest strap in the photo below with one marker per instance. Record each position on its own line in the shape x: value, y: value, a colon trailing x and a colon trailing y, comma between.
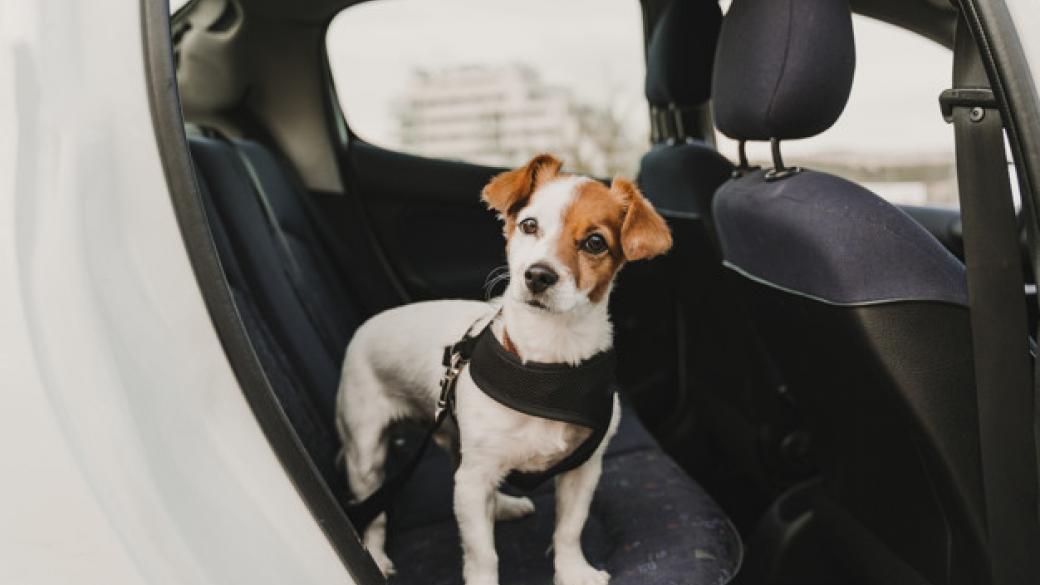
x: 582, y: 395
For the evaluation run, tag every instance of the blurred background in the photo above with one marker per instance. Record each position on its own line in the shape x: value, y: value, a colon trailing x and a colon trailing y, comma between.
x: 495, y: 81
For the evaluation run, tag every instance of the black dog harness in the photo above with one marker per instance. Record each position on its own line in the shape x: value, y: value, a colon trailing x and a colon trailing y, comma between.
x: 581, y: 395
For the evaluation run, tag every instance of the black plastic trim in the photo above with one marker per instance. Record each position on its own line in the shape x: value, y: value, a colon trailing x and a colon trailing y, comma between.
x: 164, y: 102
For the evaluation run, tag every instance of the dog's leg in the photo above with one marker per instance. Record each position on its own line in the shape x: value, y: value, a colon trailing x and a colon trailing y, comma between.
x: 509, y: 507
x: 475, y: 487
x: 362, y: 426
x: 365, y: 458
x: 574, y: 490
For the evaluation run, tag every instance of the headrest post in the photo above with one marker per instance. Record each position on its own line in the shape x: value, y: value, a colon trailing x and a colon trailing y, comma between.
x: 742, y: 154
x: 779, y: 171
x: 778, y: 161
x: 680, y: 127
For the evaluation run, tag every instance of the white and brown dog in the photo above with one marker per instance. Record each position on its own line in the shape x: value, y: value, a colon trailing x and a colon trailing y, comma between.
x: 566, y: 238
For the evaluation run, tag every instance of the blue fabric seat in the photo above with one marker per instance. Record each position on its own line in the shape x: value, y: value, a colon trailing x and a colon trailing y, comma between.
x: 650, y: 523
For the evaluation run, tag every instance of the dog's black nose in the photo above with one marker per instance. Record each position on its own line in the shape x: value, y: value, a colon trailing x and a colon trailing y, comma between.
x: 540, y: 277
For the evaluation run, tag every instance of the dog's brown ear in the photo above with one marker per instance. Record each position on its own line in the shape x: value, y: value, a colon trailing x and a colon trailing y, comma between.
x: 644, y: 233
x: 508, y: 192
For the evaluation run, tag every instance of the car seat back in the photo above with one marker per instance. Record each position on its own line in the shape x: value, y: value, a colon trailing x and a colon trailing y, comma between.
x: 865, y: 312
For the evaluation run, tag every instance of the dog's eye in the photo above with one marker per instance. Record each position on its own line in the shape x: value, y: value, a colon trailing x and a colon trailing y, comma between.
x: 594, y: 244
x: 529, y: 226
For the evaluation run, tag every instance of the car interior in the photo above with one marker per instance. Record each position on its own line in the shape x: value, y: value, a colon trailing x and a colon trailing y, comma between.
x: 799, y: 391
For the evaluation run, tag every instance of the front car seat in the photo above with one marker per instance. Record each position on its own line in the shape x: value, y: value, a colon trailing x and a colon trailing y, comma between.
x: 865, y: 312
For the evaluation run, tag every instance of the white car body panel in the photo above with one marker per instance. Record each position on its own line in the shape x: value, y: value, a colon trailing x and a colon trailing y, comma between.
x: 128, y: 453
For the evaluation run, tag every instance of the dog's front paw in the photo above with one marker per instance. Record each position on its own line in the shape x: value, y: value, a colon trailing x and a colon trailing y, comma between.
x: 512, y: 507
x: 580, y: 573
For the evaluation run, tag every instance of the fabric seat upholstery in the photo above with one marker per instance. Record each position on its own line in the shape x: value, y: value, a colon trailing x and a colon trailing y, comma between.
x: 650, y: 522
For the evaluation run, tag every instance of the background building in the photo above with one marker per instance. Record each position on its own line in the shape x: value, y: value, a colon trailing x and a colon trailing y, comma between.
x: 502, y: 115
x: 485, y: 114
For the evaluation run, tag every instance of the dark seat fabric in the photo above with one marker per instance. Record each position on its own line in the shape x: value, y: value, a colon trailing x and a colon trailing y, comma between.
x: 650, y: 522
x: 302, y: 370
x: 831, y: 239
x: 783, y: 68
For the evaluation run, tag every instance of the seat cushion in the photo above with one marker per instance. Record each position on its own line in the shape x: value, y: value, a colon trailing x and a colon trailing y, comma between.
x: 649, y: 524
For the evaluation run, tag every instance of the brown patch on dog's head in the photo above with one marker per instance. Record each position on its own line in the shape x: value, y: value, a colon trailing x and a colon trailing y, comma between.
x: 630, y: 226
x: 509, y: 192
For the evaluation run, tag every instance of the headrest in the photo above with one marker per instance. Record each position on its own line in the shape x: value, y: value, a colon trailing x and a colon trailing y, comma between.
x: 783, y: 68
x: 681, y: 53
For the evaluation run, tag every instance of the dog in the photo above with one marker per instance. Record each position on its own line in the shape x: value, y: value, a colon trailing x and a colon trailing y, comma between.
x: 566, y: 236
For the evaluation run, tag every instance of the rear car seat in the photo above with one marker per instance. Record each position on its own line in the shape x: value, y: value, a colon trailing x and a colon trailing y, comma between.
x: 650, y: 523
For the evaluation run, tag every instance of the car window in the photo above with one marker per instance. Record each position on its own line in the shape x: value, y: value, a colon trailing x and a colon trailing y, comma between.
x: 496, y: 81
x: 891, y: 137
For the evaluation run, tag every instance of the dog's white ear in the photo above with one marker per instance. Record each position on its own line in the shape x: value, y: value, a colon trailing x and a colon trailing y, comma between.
x: 508, y: 192
x: 644, y: 233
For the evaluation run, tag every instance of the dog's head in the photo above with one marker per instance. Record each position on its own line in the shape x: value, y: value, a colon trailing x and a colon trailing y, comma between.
x: 567, y: 235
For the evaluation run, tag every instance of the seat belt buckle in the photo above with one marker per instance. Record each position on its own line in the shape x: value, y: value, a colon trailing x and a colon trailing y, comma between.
x: 975, y: 98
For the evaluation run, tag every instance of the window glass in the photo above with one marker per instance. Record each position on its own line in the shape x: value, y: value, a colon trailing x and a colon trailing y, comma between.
x: 891, y: 137
x: 496, y: 81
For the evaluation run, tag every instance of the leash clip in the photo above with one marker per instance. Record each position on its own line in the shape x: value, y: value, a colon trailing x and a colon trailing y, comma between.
x: 453, y: 364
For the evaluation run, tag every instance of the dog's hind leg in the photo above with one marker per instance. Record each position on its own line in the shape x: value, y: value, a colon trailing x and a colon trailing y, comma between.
x: 363, y: 416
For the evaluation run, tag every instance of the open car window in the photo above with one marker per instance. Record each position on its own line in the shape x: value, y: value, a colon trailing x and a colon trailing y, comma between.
x: 891, y: 137
x: 494, y: 82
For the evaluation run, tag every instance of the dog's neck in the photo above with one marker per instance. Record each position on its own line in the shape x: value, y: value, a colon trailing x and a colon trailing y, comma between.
x: 537, y: 335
